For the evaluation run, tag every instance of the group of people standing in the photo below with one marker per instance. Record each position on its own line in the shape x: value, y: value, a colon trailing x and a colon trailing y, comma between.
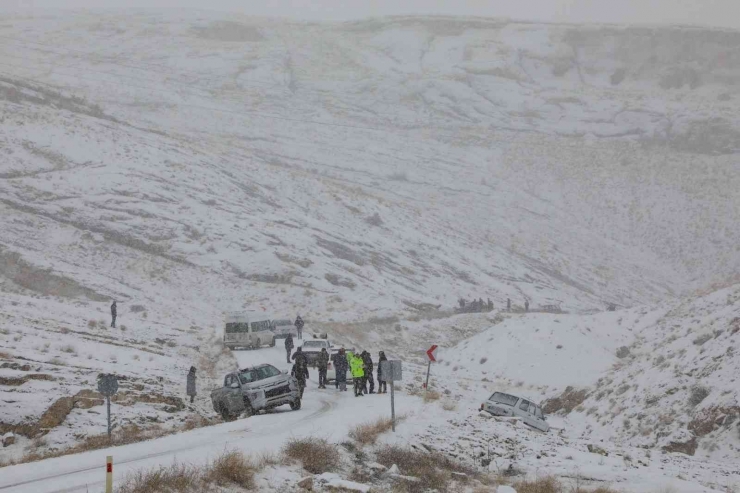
x: 361, y: 368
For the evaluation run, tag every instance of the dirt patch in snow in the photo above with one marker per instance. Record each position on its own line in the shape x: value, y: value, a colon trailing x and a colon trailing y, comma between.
x: 566, y: 402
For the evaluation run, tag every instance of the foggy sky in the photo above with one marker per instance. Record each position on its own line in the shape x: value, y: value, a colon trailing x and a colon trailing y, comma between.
x: 725, y: 13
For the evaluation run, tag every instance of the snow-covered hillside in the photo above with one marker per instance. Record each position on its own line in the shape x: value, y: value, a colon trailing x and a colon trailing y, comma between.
x: 660, y: 378
x: 187, y: 164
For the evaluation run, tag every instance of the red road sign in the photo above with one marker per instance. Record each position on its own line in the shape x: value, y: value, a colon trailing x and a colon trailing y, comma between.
x: 432, y: 353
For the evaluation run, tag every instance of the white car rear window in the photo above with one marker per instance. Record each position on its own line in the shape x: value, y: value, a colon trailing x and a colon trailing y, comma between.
x: 314, y: 344
x: 502, y: 398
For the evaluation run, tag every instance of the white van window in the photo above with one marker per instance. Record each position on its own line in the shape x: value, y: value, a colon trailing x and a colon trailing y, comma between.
x: 538, y: 412
x: 532, y: 409
x: 524, y: 406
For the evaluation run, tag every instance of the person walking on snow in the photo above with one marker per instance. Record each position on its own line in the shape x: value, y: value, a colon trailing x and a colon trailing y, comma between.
x: 323, y: 363
x: 382, y: 385
x: 299, y: 326
x: 356, y: 366
x: 190, y: 387
x: 508, y: 304
x: 288, y: 346
x: 300, y: 372
x: 340, y: 366
x: 300, y: 356
x: 113, y: 314
x: 368, y: 369
x: 526, y: 305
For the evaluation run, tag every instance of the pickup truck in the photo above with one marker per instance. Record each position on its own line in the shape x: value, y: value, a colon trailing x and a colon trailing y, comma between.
x: 253, y: 389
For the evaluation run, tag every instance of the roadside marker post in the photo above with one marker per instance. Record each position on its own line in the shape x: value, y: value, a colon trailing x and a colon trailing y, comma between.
x: 392, y: 371
x: 109, y: 474
x: 432, y: 355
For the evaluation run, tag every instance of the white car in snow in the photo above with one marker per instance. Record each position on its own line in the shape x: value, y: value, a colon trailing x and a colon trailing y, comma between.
x: 500, y: 404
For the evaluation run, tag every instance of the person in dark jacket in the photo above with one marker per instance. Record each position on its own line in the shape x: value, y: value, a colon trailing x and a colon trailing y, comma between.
x: 368, y: 361
x: 299, y: 326
x: 508, y: 304
x: 382, y: 385
x: 322, y: 363
x: 113, y: 314
x: 190, y: 387
x: 526, y: 306
x: 300, y: 372
x: 288, y: 346
x: 299, y: 355
x: 341, y: 366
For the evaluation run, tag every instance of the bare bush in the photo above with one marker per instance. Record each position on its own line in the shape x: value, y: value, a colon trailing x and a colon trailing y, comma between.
x: 177, y: 477
x: 368, y: 433
x: 91, y: 324
x: 432, y: 469
x: 702, y: 339
x: 483, y: 360
x: 698, y: 394
x: 232, y: 468
x: 431, y: 396
x: 137, y: 308
x: 316, y: 455
x: 340, y: 281
x: 398, y: 176
x: 449, y: 405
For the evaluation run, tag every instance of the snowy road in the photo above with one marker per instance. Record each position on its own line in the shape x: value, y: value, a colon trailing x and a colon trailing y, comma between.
x: 324, y: 413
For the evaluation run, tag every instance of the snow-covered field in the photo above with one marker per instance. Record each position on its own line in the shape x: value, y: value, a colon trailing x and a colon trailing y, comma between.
x: 187, y: 164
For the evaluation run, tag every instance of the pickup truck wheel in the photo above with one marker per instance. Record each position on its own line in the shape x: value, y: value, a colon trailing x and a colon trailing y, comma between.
x: 248, y: 410
x: 295, y: 405
x: 225, y: 415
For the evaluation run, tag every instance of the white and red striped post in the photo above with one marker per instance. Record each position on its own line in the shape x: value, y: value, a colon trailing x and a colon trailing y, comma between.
x: 109, y: 474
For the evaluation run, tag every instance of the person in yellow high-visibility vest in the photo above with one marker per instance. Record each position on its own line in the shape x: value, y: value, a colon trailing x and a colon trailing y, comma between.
x: 356, y: 366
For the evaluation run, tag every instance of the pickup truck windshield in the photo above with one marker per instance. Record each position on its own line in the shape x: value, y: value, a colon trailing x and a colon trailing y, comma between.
x: 315, y: 344
x: 259, y: 373
x: 503, y: 398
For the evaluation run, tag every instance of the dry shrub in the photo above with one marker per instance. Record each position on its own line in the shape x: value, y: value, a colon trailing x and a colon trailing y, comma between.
x: 177, y: 477
x: 195, y: 421
x: 91, y: 324
x: 698, y: 394
x: 232, y: 468
x: 316, y: 455
x: 550, y: 484
x: 540, y: 485
x: 432, y: 469
x: 367, y: 433
x: 431, y: 396
x: 449, y: 405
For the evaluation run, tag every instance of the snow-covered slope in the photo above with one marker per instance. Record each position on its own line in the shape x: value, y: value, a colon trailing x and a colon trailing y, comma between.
x: 664, y: 378
x: 193, y: 163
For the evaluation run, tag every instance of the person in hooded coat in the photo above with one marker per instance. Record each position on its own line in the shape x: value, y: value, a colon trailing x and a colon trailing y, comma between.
x: 341, y: 366
x: 299, y: 355
x: 368, y: 369
x: 190, y: 387
x: 300, y: 372
x: 288, y: 347
x: 299, y: 326
x: 382, y: 385
x: 322, y: 363
x: 113, y: 314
